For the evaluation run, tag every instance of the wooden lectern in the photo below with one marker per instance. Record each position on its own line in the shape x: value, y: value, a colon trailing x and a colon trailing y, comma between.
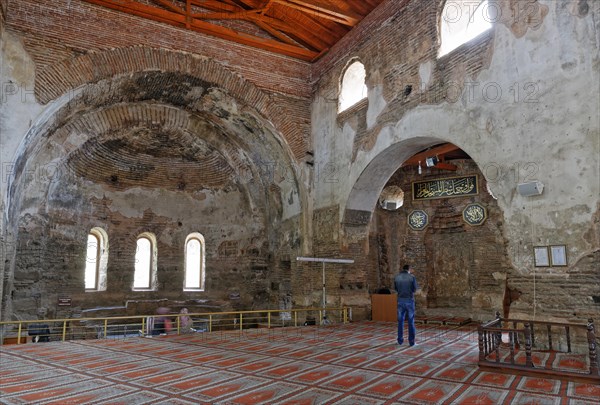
x: 384, y: 307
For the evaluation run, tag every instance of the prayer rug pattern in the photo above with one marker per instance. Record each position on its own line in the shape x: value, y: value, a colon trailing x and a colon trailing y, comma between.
x: 474, y: 395
x: 358, y: 363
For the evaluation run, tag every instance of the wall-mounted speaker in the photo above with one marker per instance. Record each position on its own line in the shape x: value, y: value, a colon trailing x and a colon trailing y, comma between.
x: 388, y: 205
x: 530, y: 188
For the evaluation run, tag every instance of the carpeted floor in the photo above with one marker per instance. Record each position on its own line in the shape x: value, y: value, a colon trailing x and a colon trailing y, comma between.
x: 358, y: 363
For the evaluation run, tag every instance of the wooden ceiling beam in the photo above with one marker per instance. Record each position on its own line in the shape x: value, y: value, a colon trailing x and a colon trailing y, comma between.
x: 319, y: 10
x: 273, y: 26
x: 435, y: 151
x: 300, y: 33
x: 302, y: 16
x: 310, y: 25
x: 179, y: 20
x: 215, y: 5
x: 446, y: 166
x: 170, y: 6
x: 287, y: 36
x: 281, y: 30
x: 235, y: 15
x: 277, y: 34
x: 321, y: 27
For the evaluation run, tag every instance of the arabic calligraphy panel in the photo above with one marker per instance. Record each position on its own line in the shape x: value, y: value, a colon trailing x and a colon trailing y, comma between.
x: 474, y: 214
x: 445, y: 188
x: 418, y: 220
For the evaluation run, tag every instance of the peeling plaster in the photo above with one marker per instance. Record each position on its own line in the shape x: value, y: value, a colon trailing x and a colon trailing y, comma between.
x: 425, y: 71
x: 376, y: 105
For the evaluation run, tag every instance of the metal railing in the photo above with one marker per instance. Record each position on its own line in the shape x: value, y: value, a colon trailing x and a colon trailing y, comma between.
x: 129, y: 326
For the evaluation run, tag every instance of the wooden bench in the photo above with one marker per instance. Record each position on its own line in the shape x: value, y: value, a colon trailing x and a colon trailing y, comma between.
x: 13, y: 340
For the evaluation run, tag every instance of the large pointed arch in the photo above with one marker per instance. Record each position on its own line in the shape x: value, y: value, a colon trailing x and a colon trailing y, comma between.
x: 270, y: 146
x: 213, y: 110
x: 364, y: 195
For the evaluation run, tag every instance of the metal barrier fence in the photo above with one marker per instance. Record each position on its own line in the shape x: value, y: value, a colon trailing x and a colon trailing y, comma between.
x: 19, y: 332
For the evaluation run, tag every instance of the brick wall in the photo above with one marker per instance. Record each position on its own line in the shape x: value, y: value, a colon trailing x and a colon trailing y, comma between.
x: 74, y: 43
x: 392, y: 42
x: 56, y: 30
x: 50, y: 250
x: 454, y: 261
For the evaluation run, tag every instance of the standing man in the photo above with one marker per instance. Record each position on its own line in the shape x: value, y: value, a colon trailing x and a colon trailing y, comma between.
x: 406, y: 286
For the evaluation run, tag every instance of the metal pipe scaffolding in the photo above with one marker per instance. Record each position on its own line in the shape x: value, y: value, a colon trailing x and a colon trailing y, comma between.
x: 323, y: 260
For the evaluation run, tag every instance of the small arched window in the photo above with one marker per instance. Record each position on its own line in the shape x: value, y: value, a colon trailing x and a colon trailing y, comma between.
x: 463, y: 20
x: 144, y: 277
x: 96, y: 260
x: 353, y: 87
x: 194, y: 262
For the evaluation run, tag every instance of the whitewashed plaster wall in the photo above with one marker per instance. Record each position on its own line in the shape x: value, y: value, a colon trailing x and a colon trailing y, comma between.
x: 544, y: 125
x: 18, y: 110
x: 18, y: 107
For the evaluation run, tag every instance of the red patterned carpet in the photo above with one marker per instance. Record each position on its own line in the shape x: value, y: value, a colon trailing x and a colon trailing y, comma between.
x: 358, y: 363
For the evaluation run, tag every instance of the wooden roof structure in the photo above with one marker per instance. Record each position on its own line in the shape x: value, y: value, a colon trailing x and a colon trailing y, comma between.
x: 443, y: 152
x: 303, y: 29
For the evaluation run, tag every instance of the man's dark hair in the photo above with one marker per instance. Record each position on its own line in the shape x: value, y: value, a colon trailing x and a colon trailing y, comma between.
x: 406, y: 267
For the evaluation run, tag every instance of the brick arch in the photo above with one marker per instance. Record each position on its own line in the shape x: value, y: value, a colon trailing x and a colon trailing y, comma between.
x: 363, y: 196
x: 104, y: 121
x: 66, y: 76
x: 366, y: 190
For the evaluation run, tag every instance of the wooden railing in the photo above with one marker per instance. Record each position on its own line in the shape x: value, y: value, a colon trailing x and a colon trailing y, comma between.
x: 501, y: 335
x: 129, y: 326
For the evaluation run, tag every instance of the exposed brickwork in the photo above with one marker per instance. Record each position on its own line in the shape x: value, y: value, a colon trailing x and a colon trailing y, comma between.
x: 345, y: 283
x: 289, y: 115
x: 395, y: 22
x: 78, y: 27
x: 290, y: 276
x: 172, y: 152
x: 181, y: 167
x: 414, y: 24
x: 366, y: 33
x: 454, y: 261
x: 50, y: 253
x: 581, y: 290
x: 69, y: 55
x: 138, y: 76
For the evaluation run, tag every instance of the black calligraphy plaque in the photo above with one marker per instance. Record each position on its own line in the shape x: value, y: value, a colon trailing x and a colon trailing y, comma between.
x: 418, y: 220
x: 445, y: 188
x: 474, y: 214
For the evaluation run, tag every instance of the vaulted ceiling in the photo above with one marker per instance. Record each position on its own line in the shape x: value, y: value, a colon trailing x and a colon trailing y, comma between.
x: 303, y: 29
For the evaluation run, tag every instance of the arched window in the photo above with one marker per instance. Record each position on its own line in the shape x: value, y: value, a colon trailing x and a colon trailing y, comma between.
x: 353, y: 87
x: 144, y: 277
x: 194, y: 262
x: 463, y: 20
x: 96, y: 260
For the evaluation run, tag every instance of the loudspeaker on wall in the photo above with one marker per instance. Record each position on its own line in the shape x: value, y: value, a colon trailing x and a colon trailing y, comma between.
x: 530, y: 188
